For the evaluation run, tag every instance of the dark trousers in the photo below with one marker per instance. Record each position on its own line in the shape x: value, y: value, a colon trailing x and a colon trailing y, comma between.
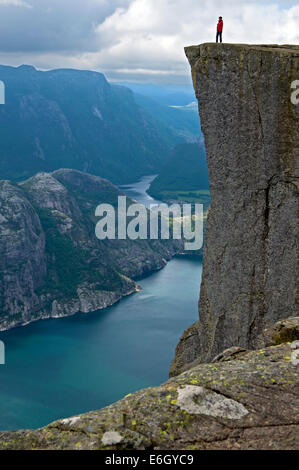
x: 219, y: 35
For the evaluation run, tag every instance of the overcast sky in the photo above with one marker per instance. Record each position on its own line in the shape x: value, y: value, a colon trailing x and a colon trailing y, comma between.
x: 134, y: 40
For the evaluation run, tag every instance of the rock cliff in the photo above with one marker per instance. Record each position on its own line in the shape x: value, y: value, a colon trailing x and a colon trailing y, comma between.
x: 242, y: 400
x: 23, y: 266
x: 252, y: 141
x: 51, y: 262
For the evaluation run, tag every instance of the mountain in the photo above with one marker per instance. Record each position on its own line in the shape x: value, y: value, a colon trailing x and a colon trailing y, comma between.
x: 183, y: 121
x: 185, y: 174
x: 76, y: 119
x: 51, y: 263
x: 167, y: 95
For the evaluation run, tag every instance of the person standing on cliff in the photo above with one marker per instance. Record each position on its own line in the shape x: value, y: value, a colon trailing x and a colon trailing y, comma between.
x: 219, y: 29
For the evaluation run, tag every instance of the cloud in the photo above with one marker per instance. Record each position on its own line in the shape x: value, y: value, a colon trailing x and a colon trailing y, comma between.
x: 15, y: 3
x: 151, y: 33
x: 62, y: 26
x: 136, y: 39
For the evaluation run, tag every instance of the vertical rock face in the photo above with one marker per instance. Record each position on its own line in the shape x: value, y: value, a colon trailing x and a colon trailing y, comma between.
x: 251, y: 131
x: 23, y: 265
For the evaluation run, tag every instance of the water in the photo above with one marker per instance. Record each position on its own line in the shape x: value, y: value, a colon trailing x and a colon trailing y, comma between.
x: 59, y: 368
x: 137, y: 191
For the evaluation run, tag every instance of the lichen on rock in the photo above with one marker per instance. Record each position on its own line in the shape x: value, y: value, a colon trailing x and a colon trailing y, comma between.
x: 250, y: 402
x: 199, y: 401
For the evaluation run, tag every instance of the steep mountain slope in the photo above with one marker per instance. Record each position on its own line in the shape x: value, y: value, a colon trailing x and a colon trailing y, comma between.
x: 51, y: 262
x: 76, y: 119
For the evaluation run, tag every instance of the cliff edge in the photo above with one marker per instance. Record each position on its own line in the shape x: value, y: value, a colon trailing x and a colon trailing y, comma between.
x: 251, y: 135
x: 242, y: 400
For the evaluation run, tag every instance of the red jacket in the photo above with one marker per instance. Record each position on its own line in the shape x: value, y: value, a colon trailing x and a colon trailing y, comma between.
x: 220, y: 25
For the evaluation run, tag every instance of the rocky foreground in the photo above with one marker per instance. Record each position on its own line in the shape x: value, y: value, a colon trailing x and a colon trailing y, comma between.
x: 241, y: 400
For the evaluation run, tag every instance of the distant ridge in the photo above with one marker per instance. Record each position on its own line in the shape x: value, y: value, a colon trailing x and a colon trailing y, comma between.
x: 76, y: 119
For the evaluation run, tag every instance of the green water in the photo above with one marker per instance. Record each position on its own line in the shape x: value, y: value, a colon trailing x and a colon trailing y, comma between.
x: 59, y: 368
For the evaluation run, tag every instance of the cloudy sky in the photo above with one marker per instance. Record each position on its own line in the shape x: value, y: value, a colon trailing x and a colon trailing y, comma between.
x: 134, y: 40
